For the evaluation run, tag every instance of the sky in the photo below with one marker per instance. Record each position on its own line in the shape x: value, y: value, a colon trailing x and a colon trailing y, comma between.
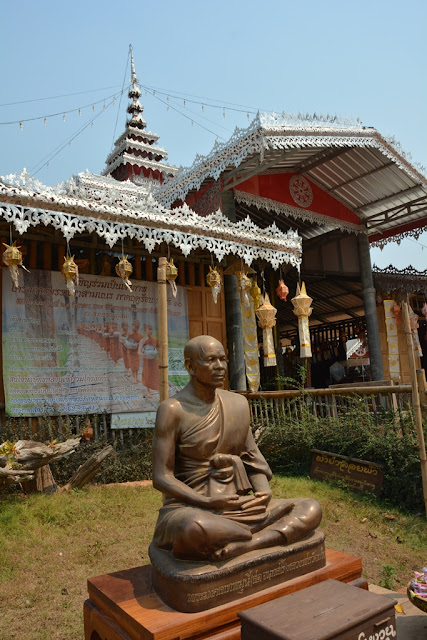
x: 364, y: 60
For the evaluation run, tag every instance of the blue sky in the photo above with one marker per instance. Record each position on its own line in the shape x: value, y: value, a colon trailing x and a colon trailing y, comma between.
x: 364, y: 59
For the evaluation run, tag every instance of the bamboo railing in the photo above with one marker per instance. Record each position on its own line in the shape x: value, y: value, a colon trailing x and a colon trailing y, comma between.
x: 269, y: 406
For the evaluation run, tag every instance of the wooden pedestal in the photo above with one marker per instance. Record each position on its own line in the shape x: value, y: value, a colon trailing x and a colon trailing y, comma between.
x: 123, y: 605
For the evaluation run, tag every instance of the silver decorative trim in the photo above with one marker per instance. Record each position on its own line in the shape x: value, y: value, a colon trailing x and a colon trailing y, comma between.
x: 140, y: 161
x: 412, y: 233
x: 266, y: 204
x: 279, y: 131
x: 129, y: 143
x: 151, y: 224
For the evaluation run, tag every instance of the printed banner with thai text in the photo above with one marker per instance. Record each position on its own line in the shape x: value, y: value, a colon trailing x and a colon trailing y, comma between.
x: 97, y: 352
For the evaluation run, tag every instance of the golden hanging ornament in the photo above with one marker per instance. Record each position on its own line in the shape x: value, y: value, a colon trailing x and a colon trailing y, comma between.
x: 71, y: 273
x: 213, y: 280
x: 302, y: 309
x: 171, y: 275
x: 413, y: 321
x: 12, y: 258
x: 124, y: 270
x: 255, y: 292
x: 266, y: 315
x: 282, y: 290
x: 243, y: 285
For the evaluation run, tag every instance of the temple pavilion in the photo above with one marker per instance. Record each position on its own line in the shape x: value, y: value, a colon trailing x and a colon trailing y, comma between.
x: 295, y: 197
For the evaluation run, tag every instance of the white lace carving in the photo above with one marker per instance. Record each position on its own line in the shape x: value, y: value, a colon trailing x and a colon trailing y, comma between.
x: 278, y: 131
x: 151, y: 225
x: 412, y: 233
x: 294, y: 212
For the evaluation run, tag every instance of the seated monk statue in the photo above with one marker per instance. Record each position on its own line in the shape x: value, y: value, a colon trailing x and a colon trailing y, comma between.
x: 217, y: 500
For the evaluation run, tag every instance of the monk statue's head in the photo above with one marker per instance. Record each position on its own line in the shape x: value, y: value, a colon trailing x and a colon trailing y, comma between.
x: 205, y: 361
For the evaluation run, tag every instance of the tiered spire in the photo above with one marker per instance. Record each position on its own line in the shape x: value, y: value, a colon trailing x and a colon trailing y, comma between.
x: 134, y: 156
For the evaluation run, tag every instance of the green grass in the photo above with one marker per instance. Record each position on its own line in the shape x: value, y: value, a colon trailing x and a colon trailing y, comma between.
x: 50, y: 545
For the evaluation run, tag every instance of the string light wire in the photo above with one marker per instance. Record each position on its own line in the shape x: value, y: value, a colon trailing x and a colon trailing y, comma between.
x: 63, y: 95
x: 52, y: 154
x: 62, y: 112
x: 205, y: 103
x: 220, y: 102
x: 203, y: 117
x: 183, y: 114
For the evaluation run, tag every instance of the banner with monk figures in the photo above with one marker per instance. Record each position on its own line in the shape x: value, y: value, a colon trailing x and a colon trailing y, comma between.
x: 94, y: 353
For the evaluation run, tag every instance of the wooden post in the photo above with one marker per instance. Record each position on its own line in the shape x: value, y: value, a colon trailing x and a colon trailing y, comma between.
x: 416, y: 400
x: 61, y: 256
x: 181, y: 272
x: 33, y: 255
x: 422, y: 386
x: 47, y: 256
x: 138, y: 270
x: 162, y: 314
x: 149, y: 269
x: 2, y: 248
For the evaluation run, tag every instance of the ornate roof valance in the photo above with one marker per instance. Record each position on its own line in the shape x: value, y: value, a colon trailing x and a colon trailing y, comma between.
x: 280, y: 131
x: 115, y: 210
x: 266, y: 204
x: 408, y: 280
x: 410, y: 233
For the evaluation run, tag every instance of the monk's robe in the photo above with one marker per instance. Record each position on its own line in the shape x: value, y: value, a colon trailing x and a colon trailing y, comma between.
x: 213, y: 461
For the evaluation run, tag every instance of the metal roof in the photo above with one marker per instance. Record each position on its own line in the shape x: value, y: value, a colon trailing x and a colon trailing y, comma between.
x: 354, y: 164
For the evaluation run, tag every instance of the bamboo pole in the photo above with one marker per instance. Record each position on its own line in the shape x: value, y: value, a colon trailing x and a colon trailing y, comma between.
x: 422, y: 386
x: 162, y: 312
x: 416, y: 400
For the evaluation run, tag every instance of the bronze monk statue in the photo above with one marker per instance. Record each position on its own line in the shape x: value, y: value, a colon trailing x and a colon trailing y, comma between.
x: 217, y: 500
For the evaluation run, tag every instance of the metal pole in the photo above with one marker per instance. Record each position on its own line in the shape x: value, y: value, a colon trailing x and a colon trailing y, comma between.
x: 369, y: 302
x: 233, y: 316
x: 162, y: 312
x: 416, y: 400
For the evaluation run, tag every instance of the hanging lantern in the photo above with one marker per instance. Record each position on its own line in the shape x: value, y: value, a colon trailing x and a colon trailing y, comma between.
x: 243, y: 285
x: 302, y: 310
x: 255, y: 292
x: 71, y: 273
x: 266, y: 315
x: 213, y: 280
x: 12, y: 258
x: 282, y: 291
x: 123, y: 270
x: 171, y: 274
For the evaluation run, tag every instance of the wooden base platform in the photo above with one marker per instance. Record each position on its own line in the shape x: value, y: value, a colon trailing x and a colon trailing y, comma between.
x: 123, y: 605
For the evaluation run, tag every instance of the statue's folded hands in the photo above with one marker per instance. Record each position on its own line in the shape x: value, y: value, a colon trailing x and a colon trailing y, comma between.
x: 217, y: 500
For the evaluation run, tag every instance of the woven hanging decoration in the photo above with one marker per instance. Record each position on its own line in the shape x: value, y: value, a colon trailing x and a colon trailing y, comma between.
x: 413, y: 321
x: 250, y: 342
x: 243, y: 284
x: 124, y: 270
x: 171, y: 275
x: 213, y: 280
x: 392, y: 339
x: 282, y: 291
x: 255, y: 292
x: 71, y: 274
x: 12, y: 258
x: 266, y: 315
x: 302, y: 309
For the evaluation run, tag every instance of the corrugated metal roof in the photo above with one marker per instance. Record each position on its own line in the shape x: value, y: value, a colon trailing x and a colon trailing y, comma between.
x: 352, y: 163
